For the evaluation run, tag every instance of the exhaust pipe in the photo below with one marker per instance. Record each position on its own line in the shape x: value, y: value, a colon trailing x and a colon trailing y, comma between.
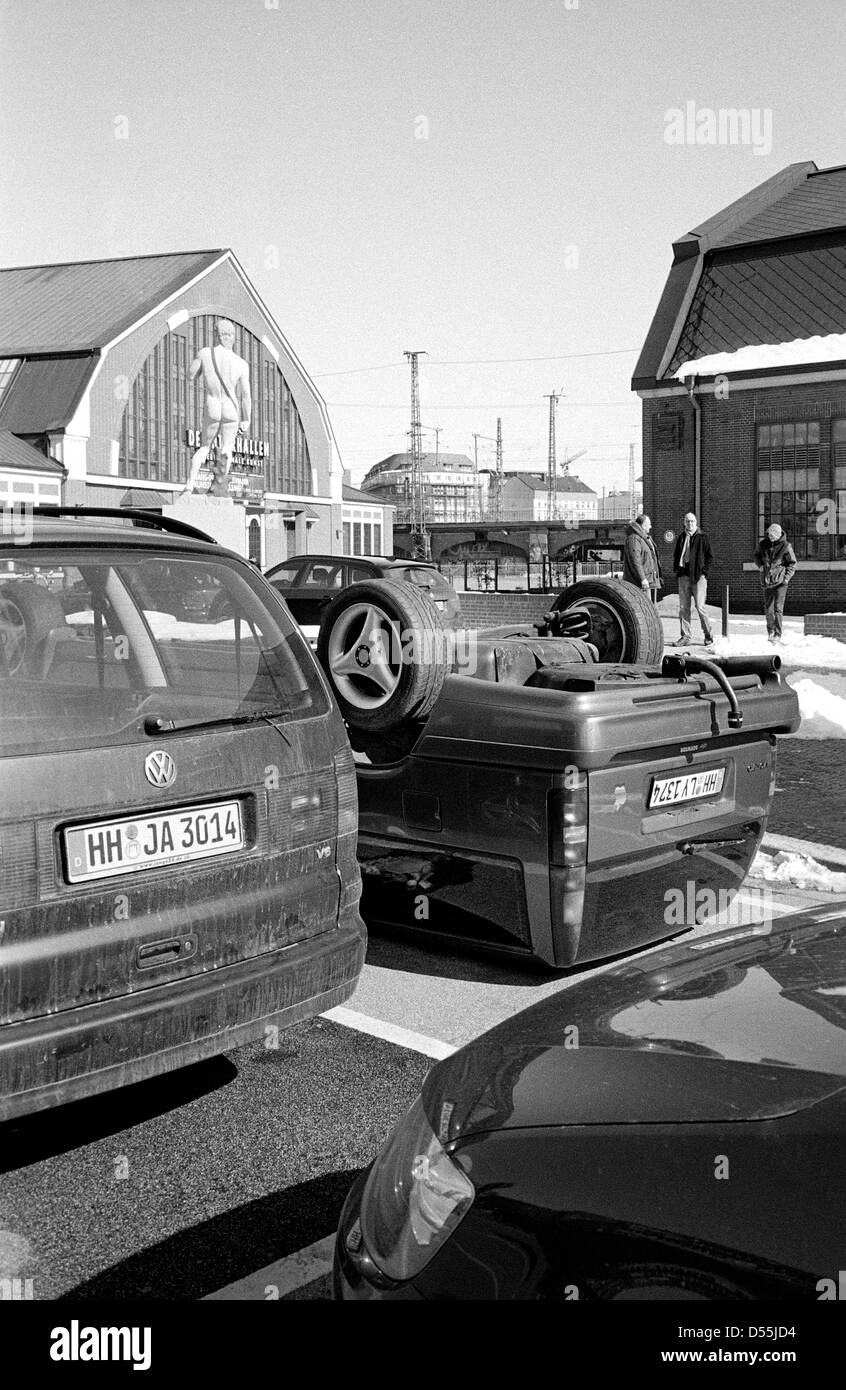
x: 679, y: 666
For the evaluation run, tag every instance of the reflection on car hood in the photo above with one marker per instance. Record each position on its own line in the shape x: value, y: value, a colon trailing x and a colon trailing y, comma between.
x: 736, y: 1026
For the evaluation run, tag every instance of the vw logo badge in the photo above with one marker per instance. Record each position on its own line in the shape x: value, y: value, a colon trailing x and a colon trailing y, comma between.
x: 160, y: 769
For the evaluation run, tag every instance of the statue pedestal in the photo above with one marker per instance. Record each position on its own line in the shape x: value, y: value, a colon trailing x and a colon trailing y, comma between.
x: 219, y: 517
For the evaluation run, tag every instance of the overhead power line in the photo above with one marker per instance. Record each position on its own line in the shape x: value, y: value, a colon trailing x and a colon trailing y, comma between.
x: 482, y: 361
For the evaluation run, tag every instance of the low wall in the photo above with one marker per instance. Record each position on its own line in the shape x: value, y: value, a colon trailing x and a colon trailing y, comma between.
x: 491, y: 610
x: 825, y: 625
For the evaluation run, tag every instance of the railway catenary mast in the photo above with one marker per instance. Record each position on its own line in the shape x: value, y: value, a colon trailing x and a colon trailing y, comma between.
x: 419, y: 533
x: 551, y: 469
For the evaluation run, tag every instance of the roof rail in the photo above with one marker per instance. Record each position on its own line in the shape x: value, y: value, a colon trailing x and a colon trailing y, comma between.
x: 151, y: 519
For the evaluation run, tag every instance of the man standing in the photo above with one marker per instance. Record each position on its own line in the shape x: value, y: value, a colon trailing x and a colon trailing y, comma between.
x: 227, y: 407
x: 692, y: 559
x: 776, y: 559
x: 640, y: 558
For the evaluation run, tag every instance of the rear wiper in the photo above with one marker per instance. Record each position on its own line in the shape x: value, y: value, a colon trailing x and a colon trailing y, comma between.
x: 157, y: 727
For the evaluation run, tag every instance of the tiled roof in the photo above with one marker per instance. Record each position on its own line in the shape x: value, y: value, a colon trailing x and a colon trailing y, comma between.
x: 817, y: 205
x: 44, y: 393
x: 537, y: 482
x: 355, y: 494
x: 85, y: 304
x: 764, y: 298
x: 769, y: 268
x: 17, y: 454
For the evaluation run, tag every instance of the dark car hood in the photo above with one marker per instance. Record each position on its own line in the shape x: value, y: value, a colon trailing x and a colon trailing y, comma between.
x: 735, y: 1026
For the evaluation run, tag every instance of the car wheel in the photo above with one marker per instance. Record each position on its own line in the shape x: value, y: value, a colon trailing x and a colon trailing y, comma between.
x: 624, y: 623
x: 27, y: 614
x: 383, y: 648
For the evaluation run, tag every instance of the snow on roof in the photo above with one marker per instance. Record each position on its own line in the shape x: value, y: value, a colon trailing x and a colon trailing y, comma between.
x: 829, y: 347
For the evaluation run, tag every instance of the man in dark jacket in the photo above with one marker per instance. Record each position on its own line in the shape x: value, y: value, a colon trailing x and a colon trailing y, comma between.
x: 692, y: 559
x: 776, y: 560
x: 640, y: 558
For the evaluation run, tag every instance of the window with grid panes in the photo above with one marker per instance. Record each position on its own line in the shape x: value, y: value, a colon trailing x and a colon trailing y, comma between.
x: 838, y: 464
x: 790, y: 457
x: 164, y: 404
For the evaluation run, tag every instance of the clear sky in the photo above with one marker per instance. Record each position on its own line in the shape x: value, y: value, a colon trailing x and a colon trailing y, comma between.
x: 481, y: 179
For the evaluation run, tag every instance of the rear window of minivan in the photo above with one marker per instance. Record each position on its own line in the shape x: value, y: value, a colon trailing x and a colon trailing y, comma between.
x: 97, y: 645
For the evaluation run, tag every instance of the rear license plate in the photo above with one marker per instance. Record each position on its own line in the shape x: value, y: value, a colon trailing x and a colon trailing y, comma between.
x: 148, y: 842
x: 688, y: 786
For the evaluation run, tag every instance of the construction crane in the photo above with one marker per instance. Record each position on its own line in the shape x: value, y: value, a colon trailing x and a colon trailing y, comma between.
x: 419, y: 533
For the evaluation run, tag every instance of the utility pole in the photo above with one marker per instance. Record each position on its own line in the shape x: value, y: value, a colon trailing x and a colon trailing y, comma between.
x: 497, y: 479
x: 419, y: 533
x: 632, y: 503
x: 551, y: 469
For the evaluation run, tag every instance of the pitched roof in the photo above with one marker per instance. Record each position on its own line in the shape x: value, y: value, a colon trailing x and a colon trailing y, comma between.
x: 85, y: 304
x: 18, y: 455
x: 769, y: 268
x: 355, y: 494
x: 765, y: 296
x: 45, y: 392
x: 537, y: 482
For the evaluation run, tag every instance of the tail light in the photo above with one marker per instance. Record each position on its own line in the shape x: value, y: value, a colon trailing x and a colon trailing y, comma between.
x: 567, y: 817
x: 345, y: 859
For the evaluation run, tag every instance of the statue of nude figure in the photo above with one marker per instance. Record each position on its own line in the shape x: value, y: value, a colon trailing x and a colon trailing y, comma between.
x: 227, y: 407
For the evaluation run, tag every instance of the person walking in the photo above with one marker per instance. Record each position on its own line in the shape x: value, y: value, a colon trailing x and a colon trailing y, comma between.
x: 692, y: 559
x: 640, y: 558
x: 776, y: 560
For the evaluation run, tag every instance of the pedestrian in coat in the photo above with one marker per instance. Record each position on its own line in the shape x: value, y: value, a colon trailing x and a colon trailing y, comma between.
x: 776, y: 560
x: 692, y: 560
x: 640, y: 558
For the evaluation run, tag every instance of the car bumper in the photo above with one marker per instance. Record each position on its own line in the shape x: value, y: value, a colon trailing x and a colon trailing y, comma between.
x: 82, y: 1052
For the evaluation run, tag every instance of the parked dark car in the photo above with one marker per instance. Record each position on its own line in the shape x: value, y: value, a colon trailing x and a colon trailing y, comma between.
x: 178, y: 819
x: 671, y: 1128
x: 308, y: 583
x: 519, y: 793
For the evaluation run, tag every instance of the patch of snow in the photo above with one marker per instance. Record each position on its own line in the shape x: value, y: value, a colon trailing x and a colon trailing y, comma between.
x: 823, y: 710
x: 796, y: 871
x: 827, y: 347
x: 795, y: 647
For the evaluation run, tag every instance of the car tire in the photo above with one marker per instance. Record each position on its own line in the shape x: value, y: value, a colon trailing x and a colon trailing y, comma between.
x: 383, y: 648
x: 28, y: 614
x: 625, y: 625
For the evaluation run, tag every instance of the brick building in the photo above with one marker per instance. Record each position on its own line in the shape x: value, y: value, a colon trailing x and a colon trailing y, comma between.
x: 743, y: 383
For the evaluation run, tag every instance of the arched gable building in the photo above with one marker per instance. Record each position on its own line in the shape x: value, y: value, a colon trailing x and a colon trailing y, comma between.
x: 96, y: 378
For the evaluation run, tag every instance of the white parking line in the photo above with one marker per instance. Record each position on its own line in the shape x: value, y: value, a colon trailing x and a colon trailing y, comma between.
x: 829, y: 854
x: 281, y: 1278
x: 391, y: 1032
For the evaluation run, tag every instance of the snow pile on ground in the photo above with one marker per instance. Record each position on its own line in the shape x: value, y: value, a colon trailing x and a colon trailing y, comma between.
x: 823, y: 710
x: 796, y: 648
x: 792, y: 870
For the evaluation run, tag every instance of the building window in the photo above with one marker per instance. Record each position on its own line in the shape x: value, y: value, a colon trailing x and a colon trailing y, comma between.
x: 377, y: 539
x: 838, y: 449
x: 8, y: 368
x: 254, y: 540
x: 789, y: 457
x: 346, y: 538
x: 356, y: 550
x: 368, y: 538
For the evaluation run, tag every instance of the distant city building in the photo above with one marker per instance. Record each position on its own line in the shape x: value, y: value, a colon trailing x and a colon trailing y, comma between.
x: 615, y: 506
x: 526, y: 497
x: 367, y: 523
x: 452, y: 490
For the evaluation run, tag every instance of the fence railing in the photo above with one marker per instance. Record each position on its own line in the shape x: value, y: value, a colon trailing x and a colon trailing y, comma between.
x: 498, y: 575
